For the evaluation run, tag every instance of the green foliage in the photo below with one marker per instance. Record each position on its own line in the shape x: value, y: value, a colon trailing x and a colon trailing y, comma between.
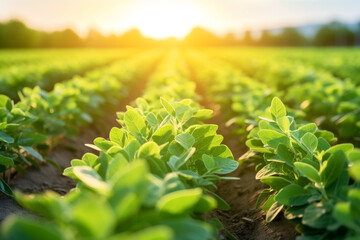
x: 307, y: 177
x: 149, y: 181
x: 26, y: 126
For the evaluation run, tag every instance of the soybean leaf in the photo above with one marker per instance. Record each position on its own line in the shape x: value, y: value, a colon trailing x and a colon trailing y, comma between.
x: 179, y: 202
x: 151, y: 119
x: 333, y: 167
x: 118, y: 136
x: 185, y: 140
x: 309, y: 171
x: 169, y: 108
x: 273, y: 138
x: 135, y: 123
x: 284, y: 124
x: 5, y: 188
x: 292, y: 194
x: 277, y: 108
x: 90, y: 177
x: 6, y: 138
x: 33, y: 152
x: 274, y: 210
x: 276, y: 183
x: 6, y: 161
x: 310, y: 141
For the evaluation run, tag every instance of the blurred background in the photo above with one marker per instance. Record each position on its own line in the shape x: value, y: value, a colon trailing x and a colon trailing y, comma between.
x: 160, y: 23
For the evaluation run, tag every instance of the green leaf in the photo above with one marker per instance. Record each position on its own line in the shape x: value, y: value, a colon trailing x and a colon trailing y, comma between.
x: 292, y: 194
x: 185, y: 140
x: 169, y: 108
x: 333, y: 167
x: 118, y: 136
x: 132, y: 147
x: 90, y: 159
x: 179, y: 202
x: 277, y: 108
x: 205, y: 204
x: 285, y: 154
x: 30, y: 139
x: 343, y: 214
x: 163, y: 135
x: 354, y: 197
x: 316, y: 216
x: 32, y: 152
x: 135, y: 123
x: 276, y: 183
x: 118, y: 163
x: 274, y: 210
x: 21, y: 227
x: 6, y: 138
x: 91, y: 178
x: 268, y: 203
x: 176, y: 162
x: 309, y: 171
x: 149, y: 149
x: 48, y: 204
x: 87, y: 212
x: 284, y: 124
x: 5, y: 188
x: 151, y: 119
x: 6, y: 161
x: 150, y: 233
x: 310, y: 141
x: 264, y: 194
x: 273, y: 138
x: 225, y: 165
x: 208, y: 161
x: 323, y: 145
x: 346, y: 147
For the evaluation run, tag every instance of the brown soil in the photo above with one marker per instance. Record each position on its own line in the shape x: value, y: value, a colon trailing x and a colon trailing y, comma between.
x: 48, y: 177
x: 242, y: 220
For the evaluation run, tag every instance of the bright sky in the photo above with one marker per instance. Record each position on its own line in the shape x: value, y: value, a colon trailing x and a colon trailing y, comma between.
x: 164, y: 18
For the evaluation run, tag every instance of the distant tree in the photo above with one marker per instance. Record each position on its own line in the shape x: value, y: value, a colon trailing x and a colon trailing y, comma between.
x: 357, y: 35
x: 247, y: 39
x: 291, y: 37
x: 94, y: 39
x: 229, y: 40
x: 199, y: 37
x: 267, y: 39
x: 334, y: 34
x: 15, y: 34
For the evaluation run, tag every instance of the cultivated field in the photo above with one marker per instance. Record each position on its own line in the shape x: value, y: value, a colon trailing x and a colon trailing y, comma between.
x: 210, y: 143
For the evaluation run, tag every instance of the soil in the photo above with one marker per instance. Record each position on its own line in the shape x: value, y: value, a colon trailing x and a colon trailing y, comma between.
x: 242, y: 220
x: 48, y: 177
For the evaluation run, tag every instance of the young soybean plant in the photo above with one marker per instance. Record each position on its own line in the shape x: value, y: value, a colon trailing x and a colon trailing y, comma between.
x: 152, y: 180
x: 307, y: 177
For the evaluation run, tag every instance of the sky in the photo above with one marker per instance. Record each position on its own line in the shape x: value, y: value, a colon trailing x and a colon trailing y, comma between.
x: 164, y: 18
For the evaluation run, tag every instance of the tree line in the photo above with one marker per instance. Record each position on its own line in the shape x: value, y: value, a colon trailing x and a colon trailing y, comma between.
x: 15, y: 34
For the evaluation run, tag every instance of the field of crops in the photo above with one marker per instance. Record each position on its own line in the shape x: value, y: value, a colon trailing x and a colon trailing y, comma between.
x: 184, y: 144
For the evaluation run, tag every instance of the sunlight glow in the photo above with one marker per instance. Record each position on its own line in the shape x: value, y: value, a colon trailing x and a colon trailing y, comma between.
x: 165, y: 18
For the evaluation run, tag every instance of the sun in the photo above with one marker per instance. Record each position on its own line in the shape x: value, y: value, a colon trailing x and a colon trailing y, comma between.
x: 163, y: 19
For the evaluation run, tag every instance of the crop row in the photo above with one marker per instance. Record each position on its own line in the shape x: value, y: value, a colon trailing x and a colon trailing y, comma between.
x: 153, y: 179
x: 52, y: 68
x: 307, y: 177
x: 341, y: 63
x: 28, y: 126
x: 316, y: 95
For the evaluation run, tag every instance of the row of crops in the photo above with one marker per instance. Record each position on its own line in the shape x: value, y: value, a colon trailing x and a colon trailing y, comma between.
x: 316, y: 184
x: 155, y: 176
x: 46, y: 68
